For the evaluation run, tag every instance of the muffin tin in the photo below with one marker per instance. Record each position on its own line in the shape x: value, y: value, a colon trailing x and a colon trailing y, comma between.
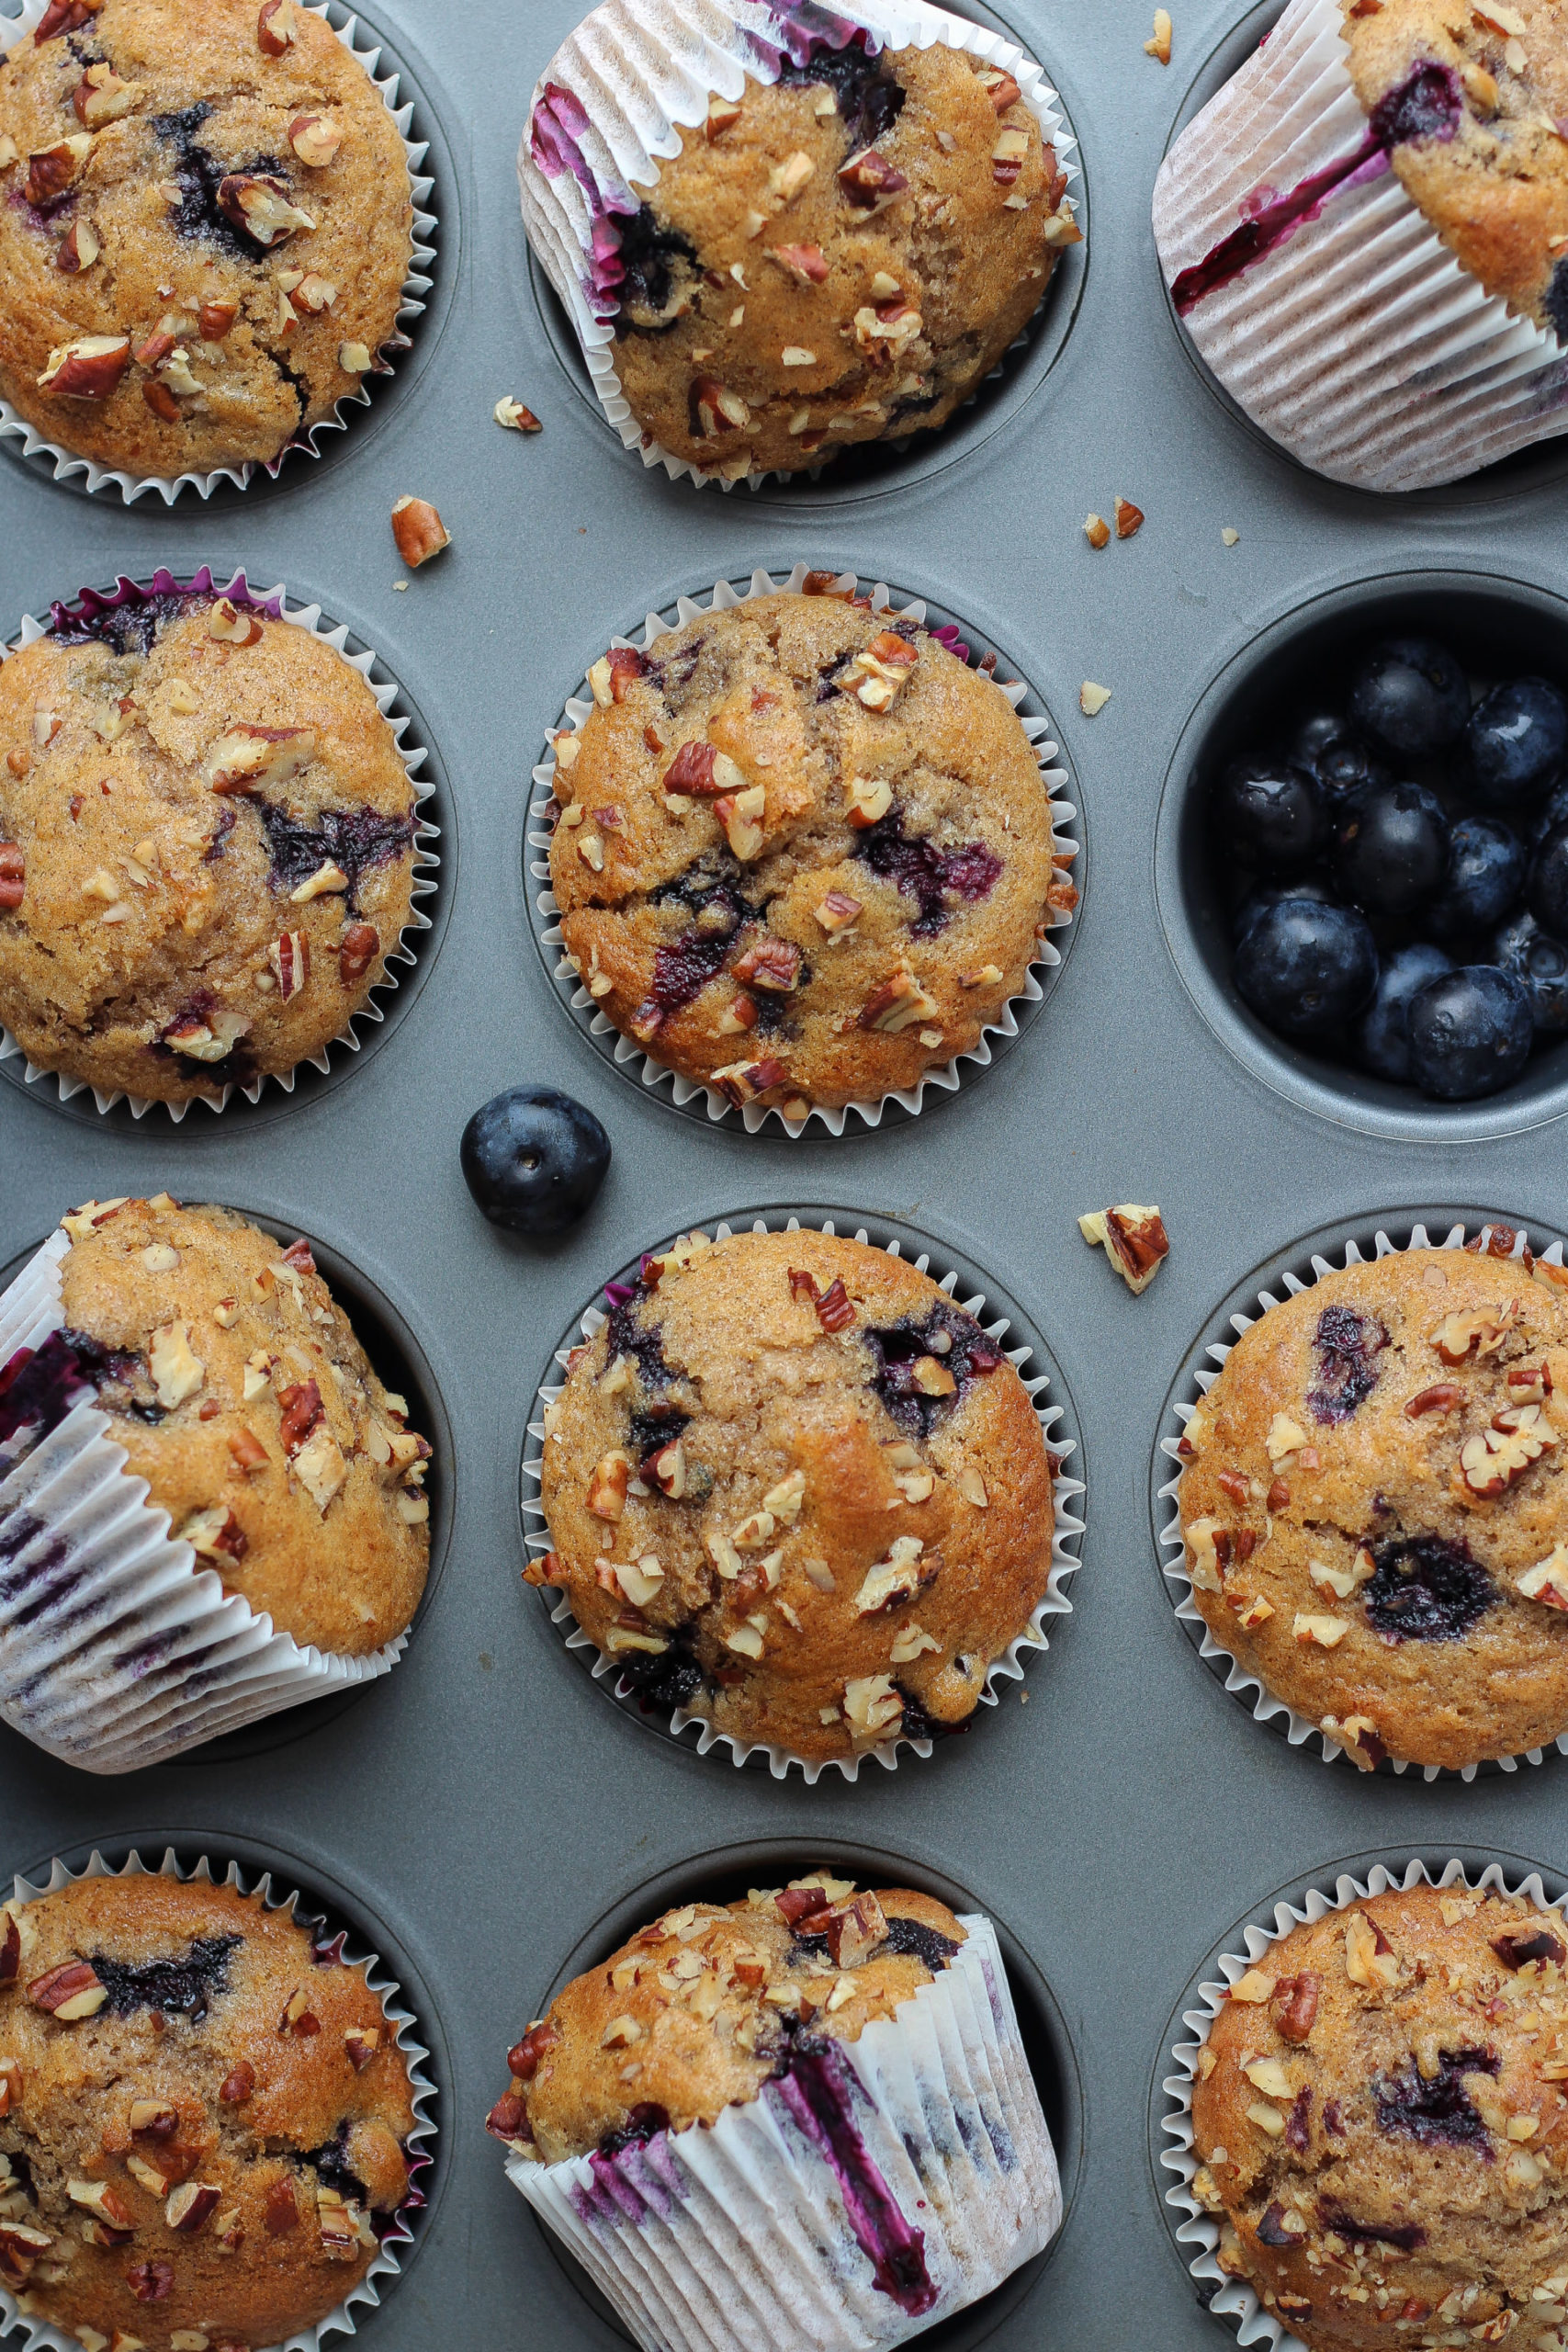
x: 482, y: 1817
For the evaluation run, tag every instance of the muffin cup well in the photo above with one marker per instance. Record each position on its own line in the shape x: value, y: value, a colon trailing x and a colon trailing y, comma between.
x: 274, y: 603
x: 14, y: 30
x: 1008, y: 1666
x: 118, y: 1648
x: 619, y: 90
x: 1241, y: 1680
x: 749, y: 2233
x: 1235, y: 2299
x: 627, y: 1052
x: 42, y: 2335
x: 1357, y: 342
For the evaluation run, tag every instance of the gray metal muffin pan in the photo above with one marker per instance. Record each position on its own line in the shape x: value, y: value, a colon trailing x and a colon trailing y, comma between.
x: 482, y: 1816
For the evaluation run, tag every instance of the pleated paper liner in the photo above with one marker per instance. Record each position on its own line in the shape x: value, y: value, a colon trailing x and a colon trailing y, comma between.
x: 1197, y: 2234
x: 118, y: 1648
x: 416, y: 286
x: 746, y: 2233
x: 638, y: 69
x: 1065, y: 1542
x: 1265, y: 1707
x: 273, y: 602
x: 42, y: 2335
x: 687, y: 1094
x: 1358, y: 342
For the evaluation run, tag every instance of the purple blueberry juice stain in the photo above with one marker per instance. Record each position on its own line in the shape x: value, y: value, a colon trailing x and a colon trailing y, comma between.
x: 1347, y: 1346
x: 177, y: 1987
x: 906, y: 1939
x: 131, y: 618
x: 216, y: 847
x: 198, y: 173
x: 1428, y: 104
x: 937, y: 880
x: 38, y: 1388
x: 1440, y: 2112
x: 1426, y: 1588
x: 358, y: 840
x: 898, y: 1348
x: 1406, y: 2235
x: 643, y: 2122
x: 869, y: 100
x: 812, y: 2085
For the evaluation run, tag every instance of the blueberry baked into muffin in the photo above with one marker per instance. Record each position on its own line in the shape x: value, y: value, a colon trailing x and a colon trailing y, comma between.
x: 1380, y: 2125
x: 237, y: 1389
x: 205, y: 223
x: 810, y: 2109
x: 837, y: 254
x: 804, y: 853
x: 794, y: 1489
x: 203, y: 2120
x: 1373, y: 1511
x: 206, y: 844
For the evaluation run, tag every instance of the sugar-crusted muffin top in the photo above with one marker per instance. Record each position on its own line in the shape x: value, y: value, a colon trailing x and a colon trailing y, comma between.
x: 206, y: 844
x: 204, y: 2116
x: 793, y: 1489
x: 697, y: 2012
x: 204, y: 224
x: 804, y: 853
x: 1380, y: 2126
x: 1374, y: 1505
x: 1472, y: 102
x: 239, y: 1392
x: 840, y: 256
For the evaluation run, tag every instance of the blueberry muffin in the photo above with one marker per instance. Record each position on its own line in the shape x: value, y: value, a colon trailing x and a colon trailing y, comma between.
x: 804, y: 853
x: 1373, y: 1507
x: 1381, y: 2128
x: 206, y: 844
x: 237, y: 1389
x: 205, y: 226
x: 203, y: 2117
x: 794, y: 1489
x: 720, y: 1996
x: 838, y: 255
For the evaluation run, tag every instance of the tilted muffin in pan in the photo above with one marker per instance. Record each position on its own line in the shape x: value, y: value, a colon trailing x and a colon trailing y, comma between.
x: 205, y: 223
x: 805, y: 854
x: 1373, y: 1507
x: 795, y: 1490
x: 804, y: 2115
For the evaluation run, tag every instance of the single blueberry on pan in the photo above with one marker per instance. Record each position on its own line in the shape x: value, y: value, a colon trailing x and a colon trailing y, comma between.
x: 535, y: 1160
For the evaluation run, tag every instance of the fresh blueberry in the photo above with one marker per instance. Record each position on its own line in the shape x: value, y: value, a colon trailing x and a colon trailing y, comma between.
x: 1515, y: 743
x: 1486, y: 873
x: 1333, y: 755
x: 1307, y: 968
x: 534, y: 1160
x: 1392, y: 848
x: 1257, y: 901
x: 1553, y: 813
x: 1271, y: 816
x: 1533, y: 957
x: 1469, y: 1033
x: 1546, y: 884
x: 1382, y: 1037
x: 1410, y: 695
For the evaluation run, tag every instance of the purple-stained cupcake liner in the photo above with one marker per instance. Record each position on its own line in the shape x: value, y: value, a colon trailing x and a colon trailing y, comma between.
x: 635, y: 1060
x: 1241, y: 1680
x: 273, y: 602
x: 1066, y: 1540
x: 1235, y: 2299
x: 42, y: 2335
x: 416, y: 289
x: 609, y: 108
x: 118, y: 1647
x: 867, y: 2194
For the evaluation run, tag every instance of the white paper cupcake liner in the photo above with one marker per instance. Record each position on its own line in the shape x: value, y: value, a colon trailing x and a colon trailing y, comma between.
x: 740, y: 2235
x: 1359, y: 344
x: 1008, y: 1668
x: 42, y: 2335
x: 634, y: 1058
x: 415, y: 287
x: 634, y: 72
x: 118, y: 1648
x: 1235, y: 2299
x: 413, y: 755
x: 1247, y: 1686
